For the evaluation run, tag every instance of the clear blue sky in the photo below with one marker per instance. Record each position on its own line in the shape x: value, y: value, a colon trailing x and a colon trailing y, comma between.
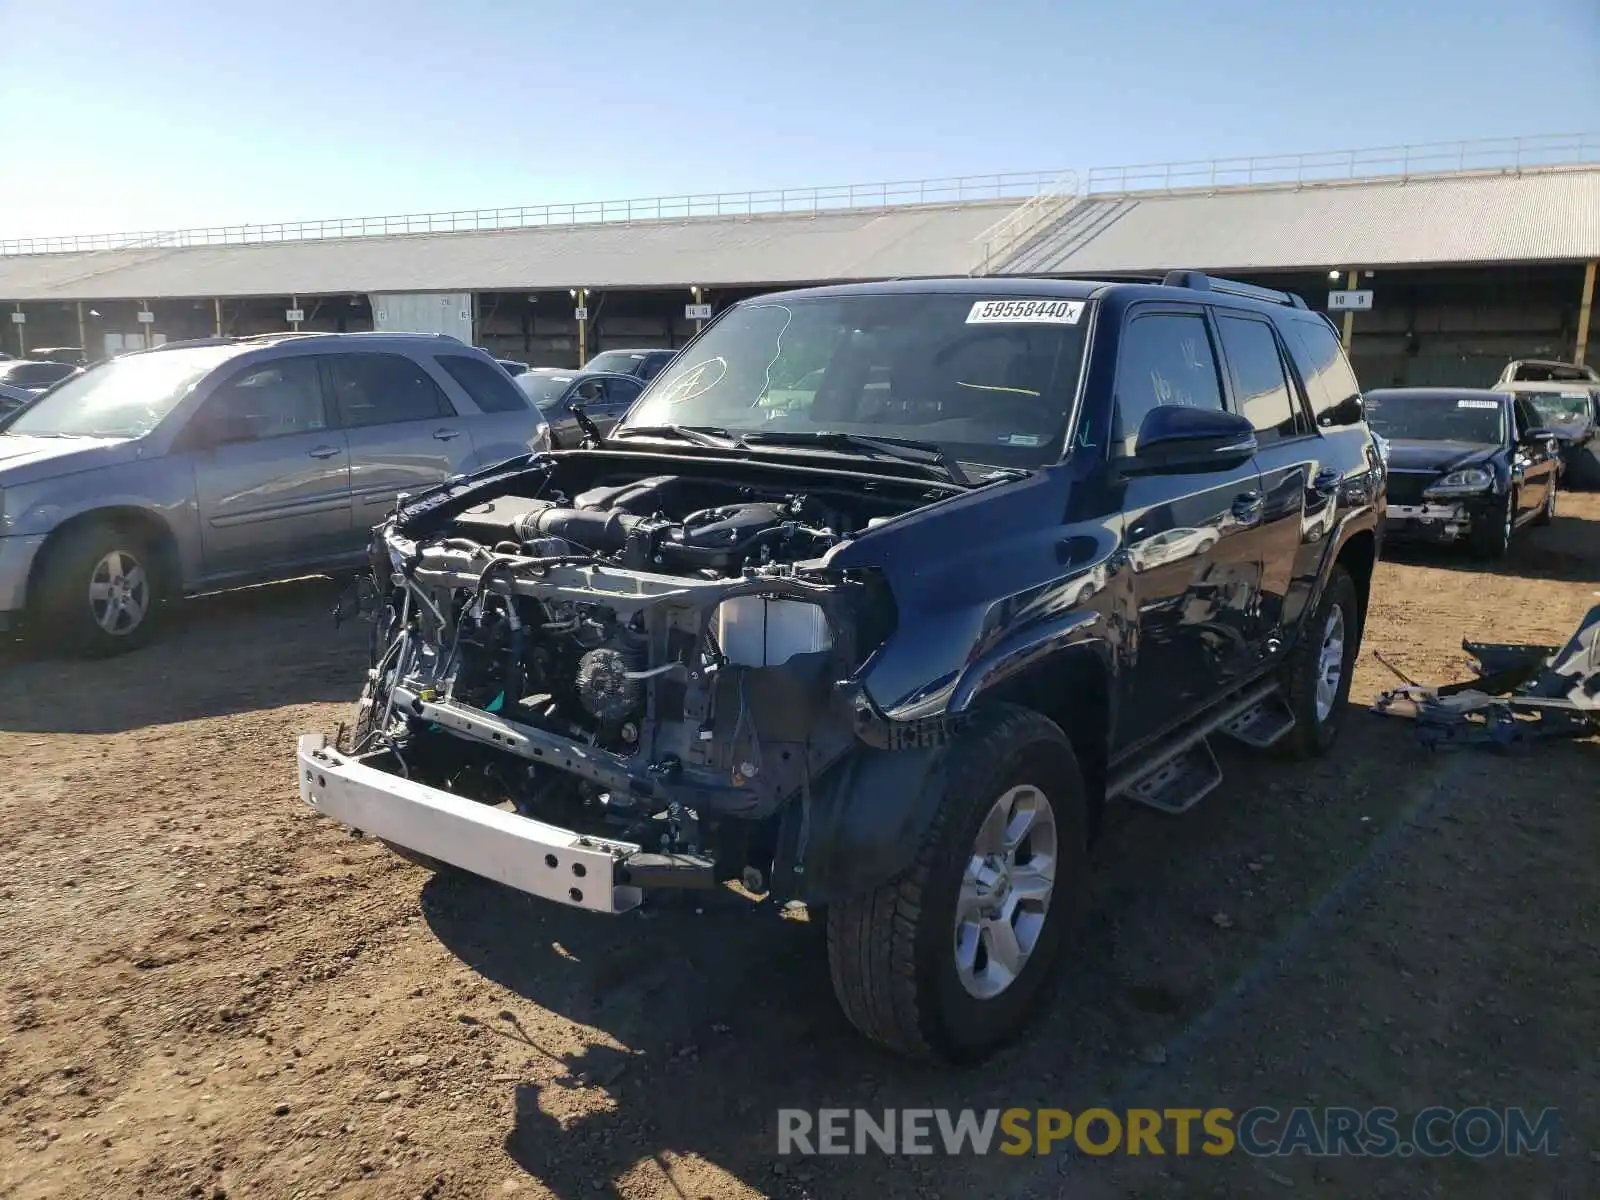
x: 165, y: 113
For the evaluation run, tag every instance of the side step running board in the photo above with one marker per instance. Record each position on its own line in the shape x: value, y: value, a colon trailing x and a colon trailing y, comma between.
x: 1181, y: 783
x: 1262, y: 726
x: 1179, y: 775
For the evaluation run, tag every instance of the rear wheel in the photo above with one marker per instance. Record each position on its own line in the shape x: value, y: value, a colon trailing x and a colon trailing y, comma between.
x: 99, y: 592
x: 946, y: 962
x: 1317, y: 678
x: 1547, y: 510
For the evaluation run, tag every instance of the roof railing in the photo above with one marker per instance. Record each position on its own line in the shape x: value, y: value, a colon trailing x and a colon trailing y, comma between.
x: 1030, y: 188
x: 1509, y: 155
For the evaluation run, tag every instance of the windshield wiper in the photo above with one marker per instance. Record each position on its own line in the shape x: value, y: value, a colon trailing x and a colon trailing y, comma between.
x: 699, y: 435
x: 923, y: 454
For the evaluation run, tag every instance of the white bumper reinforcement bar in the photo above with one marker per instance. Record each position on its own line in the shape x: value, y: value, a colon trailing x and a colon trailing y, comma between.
x: 542, y: 860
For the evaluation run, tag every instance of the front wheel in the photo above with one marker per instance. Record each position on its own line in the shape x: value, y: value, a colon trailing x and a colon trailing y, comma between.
x: 945, y: 962
x: 99, y: 591
x: 1491, y: 537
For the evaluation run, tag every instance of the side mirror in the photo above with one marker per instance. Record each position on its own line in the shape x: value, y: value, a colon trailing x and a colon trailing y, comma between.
x: 1350, y: 411
x: 1176, y: 438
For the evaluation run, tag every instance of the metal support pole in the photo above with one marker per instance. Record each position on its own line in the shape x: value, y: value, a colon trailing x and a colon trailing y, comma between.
x: 294, y: 306
x: 22, y: 336
x: 216, y: 314
x: 1585, y: 308
x: 83, y: 338
x: 1349, y: 315
x: 698, y: 324
x: 583, y: 328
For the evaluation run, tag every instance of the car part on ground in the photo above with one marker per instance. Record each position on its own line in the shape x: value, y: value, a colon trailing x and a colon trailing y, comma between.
x: 886, y: 649
x: 1522, y: 693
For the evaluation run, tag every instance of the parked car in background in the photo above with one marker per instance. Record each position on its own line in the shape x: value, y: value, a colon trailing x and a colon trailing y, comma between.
x: 604, y: 398
x: 512, y: 366
x: 75, y: 355
x: 646, y: 364
x: 32, y: 375
x: 1464, y: 465
x: 1546, y: 370
x: 13, y: 398
x: 1572, y: 413
x: 199, y: 465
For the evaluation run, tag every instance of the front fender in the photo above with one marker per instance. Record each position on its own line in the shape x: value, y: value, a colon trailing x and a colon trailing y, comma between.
x: 859, y: 827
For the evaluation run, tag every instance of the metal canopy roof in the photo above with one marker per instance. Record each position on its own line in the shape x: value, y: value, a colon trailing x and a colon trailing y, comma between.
x: 1544, y: 216
x: 786, y: 248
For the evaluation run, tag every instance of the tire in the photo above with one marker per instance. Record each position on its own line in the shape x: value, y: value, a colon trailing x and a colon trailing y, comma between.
x: 1547, y: 510
x: 1492, y: 541
x: 100, y: 591
x: 892, y: 952
x: 1317, y: 714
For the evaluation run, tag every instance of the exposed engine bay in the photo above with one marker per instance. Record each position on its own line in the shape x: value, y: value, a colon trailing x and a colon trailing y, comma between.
x: 642, y: 657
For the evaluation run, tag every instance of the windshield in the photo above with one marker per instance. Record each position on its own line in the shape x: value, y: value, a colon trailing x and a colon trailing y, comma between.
x: 543, y: 390
x: 987, y: 380
x: 1435, y: 417
x: 123, y: 398
x: 1559, y: 408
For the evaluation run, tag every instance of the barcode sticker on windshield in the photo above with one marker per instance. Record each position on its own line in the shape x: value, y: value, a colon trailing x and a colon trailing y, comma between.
x: 1033, y: 312
x: 1477, y: 404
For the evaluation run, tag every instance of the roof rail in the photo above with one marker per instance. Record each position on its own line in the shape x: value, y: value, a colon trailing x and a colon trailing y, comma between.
x: 1199, y: 281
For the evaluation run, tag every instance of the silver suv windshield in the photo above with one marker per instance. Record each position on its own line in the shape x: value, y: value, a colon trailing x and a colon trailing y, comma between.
x: 987, y: 379
x: 123, y: 398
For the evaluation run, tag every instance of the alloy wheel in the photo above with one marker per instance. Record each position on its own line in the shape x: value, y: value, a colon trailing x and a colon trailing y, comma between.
x: 1005, y: 891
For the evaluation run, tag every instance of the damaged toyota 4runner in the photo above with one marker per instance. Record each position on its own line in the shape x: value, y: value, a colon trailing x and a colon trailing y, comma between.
x: 872, y: 602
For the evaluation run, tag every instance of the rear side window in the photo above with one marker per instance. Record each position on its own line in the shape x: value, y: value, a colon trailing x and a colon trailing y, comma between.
x: 384, y: 389
x: 1165, y: 359
x: 1259, y: 383
x: 488, y: 384
x: 1329, y: 378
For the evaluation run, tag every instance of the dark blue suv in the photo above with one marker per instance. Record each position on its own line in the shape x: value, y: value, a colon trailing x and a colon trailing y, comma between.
x: 874, y: 600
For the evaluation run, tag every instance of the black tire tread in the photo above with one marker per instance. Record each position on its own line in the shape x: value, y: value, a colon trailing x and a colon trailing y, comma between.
x: 60, y: 575
x: 872, y: 938
x: 1303, y: 741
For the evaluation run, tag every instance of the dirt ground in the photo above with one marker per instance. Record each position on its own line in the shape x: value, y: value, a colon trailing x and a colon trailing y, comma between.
x: 208, y: 991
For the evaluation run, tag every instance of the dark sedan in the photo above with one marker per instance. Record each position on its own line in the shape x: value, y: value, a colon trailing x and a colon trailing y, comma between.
x: 604, y: 397
x: 646, y: 364
x: 1464, y: 465
x: 13, y: 398
x: 35, y: 376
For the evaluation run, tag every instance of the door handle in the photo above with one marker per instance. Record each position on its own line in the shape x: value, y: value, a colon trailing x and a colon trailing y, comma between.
x: 324, y: 452
x: 1247, y: 506
x: 444, y: 435
x: 1326, y: 482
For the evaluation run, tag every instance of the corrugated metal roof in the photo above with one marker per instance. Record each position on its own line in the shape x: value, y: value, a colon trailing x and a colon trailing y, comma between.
x: 1532, y: 217
x: 1548, y: 215
x: 862, y: 244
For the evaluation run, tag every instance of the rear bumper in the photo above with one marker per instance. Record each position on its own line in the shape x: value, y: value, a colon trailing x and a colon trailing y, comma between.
x: 542, y: 860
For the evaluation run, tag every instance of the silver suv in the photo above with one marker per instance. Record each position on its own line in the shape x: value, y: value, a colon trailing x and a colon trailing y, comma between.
x: 217, y: 463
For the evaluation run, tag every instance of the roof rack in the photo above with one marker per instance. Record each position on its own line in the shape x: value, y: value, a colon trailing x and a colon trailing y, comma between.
x: 1199, y: 281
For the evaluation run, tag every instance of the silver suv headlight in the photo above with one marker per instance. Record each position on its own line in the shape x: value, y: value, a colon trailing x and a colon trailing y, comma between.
x: 540, y: 441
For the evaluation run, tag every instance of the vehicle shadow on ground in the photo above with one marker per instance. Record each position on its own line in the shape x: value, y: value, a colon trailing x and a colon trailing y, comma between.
x: 1562, y: 551
x: 221, y: 654
x: 727, y: 1014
